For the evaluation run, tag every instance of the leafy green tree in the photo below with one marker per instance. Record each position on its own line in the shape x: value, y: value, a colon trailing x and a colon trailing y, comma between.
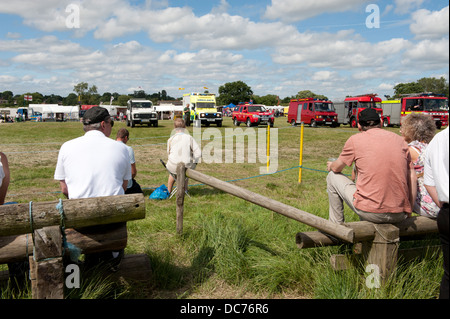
x: 139, y: 94
x: 307, y: 93
x: 8, y: 96
x: 122, y: 100
x: 433, y: 85
x: 71, y: 99
x: 269, y: 99
x: 234, y: 92
x: 438, y: 86
x: 52, y: 99
x: 88, y: 95
x: 407, y: 88
x: 106, y: 98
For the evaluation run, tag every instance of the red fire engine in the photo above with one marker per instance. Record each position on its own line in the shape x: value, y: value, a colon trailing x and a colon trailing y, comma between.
x: 348, y: 111
x: 428, y: 103
x: 312, y: 111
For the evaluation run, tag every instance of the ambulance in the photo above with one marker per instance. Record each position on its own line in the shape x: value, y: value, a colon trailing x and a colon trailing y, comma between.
x: 204, y: 107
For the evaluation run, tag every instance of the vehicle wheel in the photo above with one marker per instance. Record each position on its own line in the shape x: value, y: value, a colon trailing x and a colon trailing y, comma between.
x: 219, y: 124
x: 249, y: 123
x: 132, y: 123
x: 293, y: 122
x: 128, y: 123
x: 353, y: 123
x: 271, y: 124
x: 155, y: 124
x: 438, y: 125
x: 385, y: 123
x: 236, y: 122
x: 313, y: 123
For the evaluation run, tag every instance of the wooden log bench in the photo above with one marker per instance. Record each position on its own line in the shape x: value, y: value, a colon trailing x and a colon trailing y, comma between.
x: 377, y: 244
x: 44, y: 232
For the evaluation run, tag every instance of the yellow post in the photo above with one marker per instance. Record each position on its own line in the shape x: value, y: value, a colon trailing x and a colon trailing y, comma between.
x: 268, y: 147
x: 301, y: 155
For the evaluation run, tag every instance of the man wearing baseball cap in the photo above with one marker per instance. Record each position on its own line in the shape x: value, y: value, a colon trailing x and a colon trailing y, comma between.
x: 384, y: 190
x: 93, y: 165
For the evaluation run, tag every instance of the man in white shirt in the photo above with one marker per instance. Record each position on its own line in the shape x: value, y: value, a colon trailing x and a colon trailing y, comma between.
x: 94, y: 165
x: 436, y: 180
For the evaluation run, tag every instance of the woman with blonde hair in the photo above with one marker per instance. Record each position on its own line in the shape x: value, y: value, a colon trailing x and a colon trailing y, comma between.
x: 418, y: 130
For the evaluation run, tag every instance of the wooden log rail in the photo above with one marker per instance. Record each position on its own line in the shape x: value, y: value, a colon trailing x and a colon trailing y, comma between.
x: 342, y: 232
x: 378, y: 242
x: 410, y: 228
x: 21, y: 219
x: 38, y: 230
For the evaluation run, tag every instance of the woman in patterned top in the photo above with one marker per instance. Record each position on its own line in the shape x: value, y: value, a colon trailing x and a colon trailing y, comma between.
x: 418, y: 129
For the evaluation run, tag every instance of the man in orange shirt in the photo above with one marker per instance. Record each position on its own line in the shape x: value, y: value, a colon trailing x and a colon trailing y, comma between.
x: 385, y: 186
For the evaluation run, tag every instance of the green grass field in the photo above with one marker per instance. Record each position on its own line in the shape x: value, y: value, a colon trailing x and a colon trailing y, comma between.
x: 229, y: 248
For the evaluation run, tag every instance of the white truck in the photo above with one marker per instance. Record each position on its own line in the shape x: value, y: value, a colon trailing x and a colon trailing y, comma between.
x: 141, y: 111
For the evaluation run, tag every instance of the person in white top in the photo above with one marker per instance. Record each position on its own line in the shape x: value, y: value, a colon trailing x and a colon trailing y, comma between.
x: 94, y: 165
x: 123, y: 136
x: 4, y: 177
x: 181, y: 147
x: 436, y: 180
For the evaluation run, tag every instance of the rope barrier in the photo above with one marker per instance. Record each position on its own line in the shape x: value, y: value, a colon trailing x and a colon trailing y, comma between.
x: 74, y: 251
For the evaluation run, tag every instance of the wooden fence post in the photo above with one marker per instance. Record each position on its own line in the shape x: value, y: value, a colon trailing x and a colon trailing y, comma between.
x: 383, y: 251
x: 46, y: 264
x: 181, y: 189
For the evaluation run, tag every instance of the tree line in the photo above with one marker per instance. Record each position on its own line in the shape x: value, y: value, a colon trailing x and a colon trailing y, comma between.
x: 231, y: 92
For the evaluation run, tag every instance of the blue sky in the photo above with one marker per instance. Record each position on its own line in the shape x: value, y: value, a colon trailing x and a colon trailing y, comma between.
x: 275, y: 46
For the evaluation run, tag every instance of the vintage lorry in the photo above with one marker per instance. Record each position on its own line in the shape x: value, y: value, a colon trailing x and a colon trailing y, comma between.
x: 348, y: 110
x: 312, y: 111
x: 427, y: 103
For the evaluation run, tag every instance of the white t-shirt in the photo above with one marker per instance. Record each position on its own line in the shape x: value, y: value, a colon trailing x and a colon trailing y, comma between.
x: 181, y: 147
x: 132, y: 161
x: 93, y: 165
x: 436, y: 168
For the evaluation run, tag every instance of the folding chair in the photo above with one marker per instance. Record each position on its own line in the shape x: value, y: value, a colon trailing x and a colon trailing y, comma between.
x: 174, y: 190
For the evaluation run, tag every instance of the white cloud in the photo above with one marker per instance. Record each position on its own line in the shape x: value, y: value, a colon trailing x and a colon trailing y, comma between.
x: 323, y: 75
x: 406, y: 6
x: 294, y: 10
x: 430, y: 24
x: 428, y: 54
x: 8, y: 79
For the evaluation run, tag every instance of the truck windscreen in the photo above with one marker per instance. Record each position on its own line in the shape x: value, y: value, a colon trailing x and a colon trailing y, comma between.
x: 324, y: 107
x: 256, y: 109
x: 203, y: 105
x: 142, y: 104
x: 435, y: 104
x: 367, y: 105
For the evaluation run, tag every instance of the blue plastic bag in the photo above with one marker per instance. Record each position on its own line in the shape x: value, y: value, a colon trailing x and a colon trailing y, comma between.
x: 160, y: 193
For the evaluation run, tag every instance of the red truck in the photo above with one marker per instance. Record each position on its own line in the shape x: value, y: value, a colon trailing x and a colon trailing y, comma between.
x: 312, y: 111
x: 435, y: 105
x: 252, y: 114
x: 348, y: 111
